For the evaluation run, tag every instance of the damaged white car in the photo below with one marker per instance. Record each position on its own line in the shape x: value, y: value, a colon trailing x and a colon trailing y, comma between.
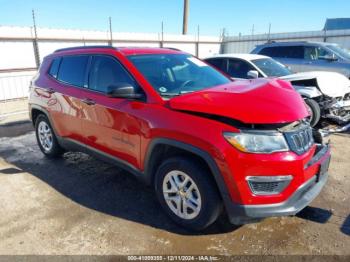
x: 327, y: 94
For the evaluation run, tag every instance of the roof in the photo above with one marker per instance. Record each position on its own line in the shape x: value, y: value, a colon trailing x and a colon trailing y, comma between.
x: 247, y: 57
x: 337, y: 24
x: 125, y: 50
x: 295, y: 43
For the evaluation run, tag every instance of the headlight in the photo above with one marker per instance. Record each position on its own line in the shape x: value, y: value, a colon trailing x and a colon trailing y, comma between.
x: 257, y: 143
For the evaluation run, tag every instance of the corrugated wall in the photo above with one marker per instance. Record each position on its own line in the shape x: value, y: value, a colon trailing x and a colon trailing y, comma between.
x: 17, y: 50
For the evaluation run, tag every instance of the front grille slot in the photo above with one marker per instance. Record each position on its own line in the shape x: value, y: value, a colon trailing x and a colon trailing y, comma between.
x: 300, y: 140
x: 268, y: 185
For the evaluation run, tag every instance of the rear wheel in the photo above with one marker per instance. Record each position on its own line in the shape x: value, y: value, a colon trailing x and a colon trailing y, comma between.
x: 46, y: 138
x: 315, y: 111
x: 187, y: 193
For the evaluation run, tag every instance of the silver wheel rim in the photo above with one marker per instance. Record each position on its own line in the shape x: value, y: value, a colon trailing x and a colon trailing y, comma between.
x: 182, y: 195
x: 45, y: 136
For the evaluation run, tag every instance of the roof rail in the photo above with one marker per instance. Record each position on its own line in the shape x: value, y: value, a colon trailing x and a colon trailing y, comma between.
x: 285, y: 42
x: 85, y: 47
x: 172, y: 48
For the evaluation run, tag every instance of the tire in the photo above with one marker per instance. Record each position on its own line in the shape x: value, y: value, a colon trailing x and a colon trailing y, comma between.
x: 46, y: 138
x: 202, y: 199
x: 315, y: 111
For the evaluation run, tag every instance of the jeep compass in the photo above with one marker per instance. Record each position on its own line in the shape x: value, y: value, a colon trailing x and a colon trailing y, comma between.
x: 205, y: 143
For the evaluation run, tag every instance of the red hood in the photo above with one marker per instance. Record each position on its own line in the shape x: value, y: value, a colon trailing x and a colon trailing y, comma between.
x: 260, y: 101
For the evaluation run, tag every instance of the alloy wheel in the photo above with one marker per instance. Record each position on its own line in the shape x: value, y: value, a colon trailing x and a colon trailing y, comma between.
x: 182, y: 194
x: 45, y: 136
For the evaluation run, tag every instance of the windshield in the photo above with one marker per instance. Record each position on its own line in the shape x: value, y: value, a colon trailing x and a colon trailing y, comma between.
x: 175, y: 74
x: 271, y: 68
x: 340, y: 51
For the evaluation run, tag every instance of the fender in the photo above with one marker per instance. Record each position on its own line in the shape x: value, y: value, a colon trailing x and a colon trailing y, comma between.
x: 308, y: 91
x: 194, y: 150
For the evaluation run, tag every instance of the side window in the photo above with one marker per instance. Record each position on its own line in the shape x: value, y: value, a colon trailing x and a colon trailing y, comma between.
x: 239, y: 68
x: 315, y: 53
x: 284, y: 52
x: 106, y: 71
x: 54, y: 67
x: 268, y: 51
x: 217, y: 63
x: 72, y: 70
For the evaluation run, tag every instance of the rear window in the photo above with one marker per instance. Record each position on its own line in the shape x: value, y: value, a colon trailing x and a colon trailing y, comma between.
x: 54, y: 67
x: 72, y: 70
x: 284, y: 52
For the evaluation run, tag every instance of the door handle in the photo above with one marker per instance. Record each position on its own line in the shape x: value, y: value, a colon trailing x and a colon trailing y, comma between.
x: 88, y: 101
x: 50, y: 90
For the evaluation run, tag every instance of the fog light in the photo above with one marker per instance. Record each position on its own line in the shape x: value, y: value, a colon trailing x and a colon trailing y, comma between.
x: 268, y: 185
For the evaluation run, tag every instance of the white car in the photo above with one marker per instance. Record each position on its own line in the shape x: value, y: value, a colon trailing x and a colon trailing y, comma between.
x: 327, y: 94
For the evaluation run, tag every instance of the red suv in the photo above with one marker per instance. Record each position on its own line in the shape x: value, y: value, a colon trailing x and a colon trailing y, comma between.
x: 205, y: 143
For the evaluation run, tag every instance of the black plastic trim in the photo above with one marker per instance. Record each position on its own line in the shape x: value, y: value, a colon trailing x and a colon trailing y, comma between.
x: 192, y: 149
x: 85, y: 47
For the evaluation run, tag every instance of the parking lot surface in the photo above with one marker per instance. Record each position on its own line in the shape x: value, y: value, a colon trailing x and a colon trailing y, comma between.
x: 80, y: 205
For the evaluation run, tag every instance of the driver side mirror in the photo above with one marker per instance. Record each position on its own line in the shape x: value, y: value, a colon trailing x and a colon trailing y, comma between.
x: 123, y: 90
x: 253, y: 74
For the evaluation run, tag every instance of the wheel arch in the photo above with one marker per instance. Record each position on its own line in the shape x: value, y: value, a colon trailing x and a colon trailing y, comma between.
x: 161, y: 148
x: 35, y: 111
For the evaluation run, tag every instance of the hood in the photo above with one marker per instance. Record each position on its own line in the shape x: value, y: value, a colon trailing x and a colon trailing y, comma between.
x: 330, y: 83
x: 260, y: 101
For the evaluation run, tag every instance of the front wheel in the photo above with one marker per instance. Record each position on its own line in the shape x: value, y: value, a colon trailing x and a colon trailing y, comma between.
x: 187, y: 193
x: 315, y: 111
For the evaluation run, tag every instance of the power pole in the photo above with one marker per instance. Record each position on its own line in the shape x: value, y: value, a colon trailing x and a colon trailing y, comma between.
x: 35, y: 42
x: 110, y: 31
x: 185, y: 18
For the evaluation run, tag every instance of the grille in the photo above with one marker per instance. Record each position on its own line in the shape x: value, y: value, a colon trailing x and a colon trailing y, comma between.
x: 300, y: 140
x: 264, y: 187
x: 268, y: 185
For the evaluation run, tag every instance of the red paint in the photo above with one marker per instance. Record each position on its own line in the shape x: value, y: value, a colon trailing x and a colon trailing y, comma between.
x: 249, y: 101
x: 125, y: 128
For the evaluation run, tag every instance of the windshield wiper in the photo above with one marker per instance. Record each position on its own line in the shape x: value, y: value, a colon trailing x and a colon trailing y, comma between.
x: 176, y: 94
x: 170, y: 94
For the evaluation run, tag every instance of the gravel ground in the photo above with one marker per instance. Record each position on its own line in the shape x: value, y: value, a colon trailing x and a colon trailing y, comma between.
x: 79, y: 205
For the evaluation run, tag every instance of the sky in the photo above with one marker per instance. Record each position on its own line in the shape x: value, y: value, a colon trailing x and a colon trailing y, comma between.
x: 236, y: 16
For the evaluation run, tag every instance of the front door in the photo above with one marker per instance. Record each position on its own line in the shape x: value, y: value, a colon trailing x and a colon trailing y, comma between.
x: 108, y: 123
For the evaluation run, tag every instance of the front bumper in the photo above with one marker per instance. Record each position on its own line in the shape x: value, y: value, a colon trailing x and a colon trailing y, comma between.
x: 305, y: 193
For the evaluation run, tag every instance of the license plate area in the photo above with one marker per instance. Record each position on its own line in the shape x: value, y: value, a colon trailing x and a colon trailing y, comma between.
x: 323, y: 168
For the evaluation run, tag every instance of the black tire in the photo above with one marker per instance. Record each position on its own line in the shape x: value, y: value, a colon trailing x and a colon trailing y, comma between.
x: 315, y: 111
x: 55, y: 150
x: 211, y: 203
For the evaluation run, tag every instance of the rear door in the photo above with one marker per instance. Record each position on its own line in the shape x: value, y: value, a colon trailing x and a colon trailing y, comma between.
x: 291, y: 56
x: 67, y: 77
x: 107, y: 123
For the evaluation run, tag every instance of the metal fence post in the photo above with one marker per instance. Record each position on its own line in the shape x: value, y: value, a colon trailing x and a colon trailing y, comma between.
x: 35, y: 43
x: 162, y: 36
x: 197, y: 42
x: 110, y: 32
